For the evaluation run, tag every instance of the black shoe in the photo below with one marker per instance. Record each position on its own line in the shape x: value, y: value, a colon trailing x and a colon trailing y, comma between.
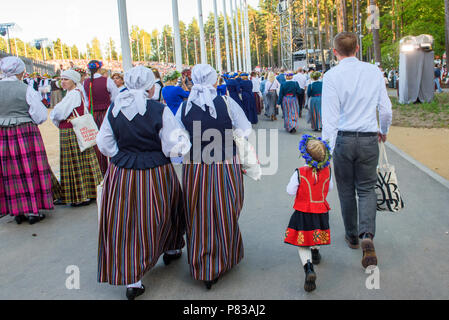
x: 58, y: 202
x: 210, y: 283
x: 133, y: 293
x: 33, y: 220
x: 20, y: 219
x: 316, y: 256
x: 168, y: 258
x: 309, y: 284
x: 353, y: 243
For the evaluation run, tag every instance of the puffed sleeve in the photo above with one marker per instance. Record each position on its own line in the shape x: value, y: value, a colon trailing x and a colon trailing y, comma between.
x: 240, y: 122
x: 63, y: 109
x: 174, y: 138
x: 38, y: 112
x: 293, y: 185
x: 106, y: 142
x: 112, y: 88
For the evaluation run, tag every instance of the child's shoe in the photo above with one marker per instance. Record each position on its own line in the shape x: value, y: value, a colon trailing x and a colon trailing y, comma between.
x: 316, y: 256
x: 309, y: 284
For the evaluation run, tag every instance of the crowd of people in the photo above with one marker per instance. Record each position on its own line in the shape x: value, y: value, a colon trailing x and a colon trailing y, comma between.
x: 147, y: 122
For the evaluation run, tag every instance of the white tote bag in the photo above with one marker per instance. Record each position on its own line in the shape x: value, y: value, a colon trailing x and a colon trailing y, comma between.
x: 86, y: 130
x: 387, y: 190
x: 247, y: 154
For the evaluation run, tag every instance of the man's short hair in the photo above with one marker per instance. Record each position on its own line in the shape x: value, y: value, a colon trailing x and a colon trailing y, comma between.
x: 346, y: 43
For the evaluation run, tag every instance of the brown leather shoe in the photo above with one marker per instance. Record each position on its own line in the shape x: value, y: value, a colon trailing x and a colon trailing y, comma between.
x: 369, y: 253
x: 352, y: 243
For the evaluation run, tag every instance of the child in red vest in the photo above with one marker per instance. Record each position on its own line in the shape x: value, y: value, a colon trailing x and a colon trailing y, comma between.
x: 309, y: 224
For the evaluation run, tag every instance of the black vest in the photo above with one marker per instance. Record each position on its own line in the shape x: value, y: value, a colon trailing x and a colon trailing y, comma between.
x: 138, y: 140
x: 219, y: 146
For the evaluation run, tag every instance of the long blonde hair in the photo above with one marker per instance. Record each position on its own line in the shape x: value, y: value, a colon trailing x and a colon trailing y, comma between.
x: 271, y: 77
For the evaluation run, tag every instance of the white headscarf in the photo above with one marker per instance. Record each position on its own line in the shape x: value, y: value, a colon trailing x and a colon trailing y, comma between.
x: 203, y: 92
x: 138, y: 80
x: 71, y: 75
x: 11, y: 66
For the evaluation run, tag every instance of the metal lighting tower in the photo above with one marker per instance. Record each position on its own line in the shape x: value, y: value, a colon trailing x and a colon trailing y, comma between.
x: 176, y: 30
x: 39, y: 44
x: 4, y: 31
x: 228, y: 56
x: 285, y: 34
x: 202, y: 40
x: 217, y: 40
x: 124, y: 35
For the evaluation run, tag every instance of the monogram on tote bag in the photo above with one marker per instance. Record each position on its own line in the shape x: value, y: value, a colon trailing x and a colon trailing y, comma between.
x: 85, y: 129
x: 387, y: 190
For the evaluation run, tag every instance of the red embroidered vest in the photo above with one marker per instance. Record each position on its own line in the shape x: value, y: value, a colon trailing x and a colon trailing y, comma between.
x: 100, y: 94
x: 311, y: 195
x: 66, y: 124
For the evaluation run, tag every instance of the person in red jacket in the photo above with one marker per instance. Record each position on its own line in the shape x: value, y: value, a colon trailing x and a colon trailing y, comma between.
x: 309, y: 225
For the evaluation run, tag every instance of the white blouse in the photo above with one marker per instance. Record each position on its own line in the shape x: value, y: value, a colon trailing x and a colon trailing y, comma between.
x: 157, y: 90
x: 174, y: 139
x: 64, y: 108
x: 271, y: 86
x: 38, y: 112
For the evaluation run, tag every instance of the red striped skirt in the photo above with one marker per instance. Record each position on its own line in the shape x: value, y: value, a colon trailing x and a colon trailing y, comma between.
x: 290, y: 108
x: 259, y: 103
x: 25, y: 175
x: 214, y: 199
x: 142, y: 217
x: 102, y: 159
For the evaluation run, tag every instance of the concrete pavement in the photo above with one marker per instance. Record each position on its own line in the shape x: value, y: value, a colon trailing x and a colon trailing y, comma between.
x: 412, y: 247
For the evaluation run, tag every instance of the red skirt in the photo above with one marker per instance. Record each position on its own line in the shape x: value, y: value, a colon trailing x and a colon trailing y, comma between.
x: 259, y: 103
x: 308, y: 230
x: 25, y: 175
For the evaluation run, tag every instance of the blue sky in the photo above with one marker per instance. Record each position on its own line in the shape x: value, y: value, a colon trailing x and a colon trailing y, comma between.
x: 78, y: 22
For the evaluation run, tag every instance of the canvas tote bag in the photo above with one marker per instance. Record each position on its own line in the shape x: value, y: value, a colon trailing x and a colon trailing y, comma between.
x: 387, y: 189
x: 85, y: 129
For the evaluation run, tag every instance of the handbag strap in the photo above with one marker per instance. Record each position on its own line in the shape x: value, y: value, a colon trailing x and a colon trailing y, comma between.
x: 383, y: 159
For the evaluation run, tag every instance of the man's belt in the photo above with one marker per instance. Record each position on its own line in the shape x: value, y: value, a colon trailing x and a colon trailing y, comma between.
x: 356, y: 134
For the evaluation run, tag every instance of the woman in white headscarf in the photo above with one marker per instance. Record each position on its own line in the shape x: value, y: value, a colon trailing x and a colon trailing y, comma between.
x: 142, y: 209
x: 80, y: 171
x: 25, y: 175
x: 212, y: 179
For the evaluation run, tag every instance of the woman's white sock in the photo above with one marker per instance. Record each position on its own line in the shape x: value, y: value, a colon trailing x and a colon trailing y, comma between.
x: 305, y: 254
x: 135, y: 285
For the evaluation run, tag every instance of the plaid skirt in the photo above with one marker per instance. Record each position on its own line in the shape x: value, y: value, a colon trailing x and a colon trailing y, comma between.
x: 290, y: 109
x: 102, y: 159
x: 142, y: 217
x: 25, y: 175
x: 214, y: 199
x: 80, y: 172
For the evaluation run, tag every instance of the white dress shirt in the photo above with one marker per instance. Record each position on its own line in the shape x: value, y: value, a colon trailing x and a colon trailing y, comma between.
x: 271, y: 86
x: 293, y: 185
x: 38, y: 112
x: 353, y: 92
x: 301, y: 79
x: 175, y: 140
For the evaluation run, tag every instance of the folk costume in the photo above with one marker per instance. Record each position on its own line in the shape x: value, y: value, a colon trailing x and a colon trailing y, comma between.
x: 289, y: 99
x: 257, y: 94
x: 25, y: 174
x: 212, y: 180
x: 271, y: 97
x: 248, y: 99
x: 234, y: 89
x: 309, y: 224
x: 80, y: 171
x: 142, y: 208
x: 174, y: 96
x: 101, y: 92
x: 314, y: 91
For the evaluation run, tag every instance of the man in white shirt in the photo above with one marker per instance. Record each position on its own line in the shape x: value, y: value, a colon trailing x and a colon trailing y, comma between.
x: 301, y: 78
x: 353, y: 93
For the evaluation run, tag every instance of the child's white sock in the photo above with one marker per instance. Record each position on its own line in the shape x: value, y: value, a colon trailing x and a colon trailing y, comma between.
x: 135, y: 285
x: 305, y: 254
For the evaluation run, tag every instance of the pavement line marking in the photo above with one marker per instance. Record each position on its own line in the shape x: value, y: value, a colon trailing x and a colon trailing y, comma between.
x: 419, y: 165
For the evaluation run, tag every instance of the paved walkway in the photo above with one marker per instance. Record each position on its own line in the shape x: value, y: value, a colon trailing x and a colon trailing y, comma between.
x: 412, y: 247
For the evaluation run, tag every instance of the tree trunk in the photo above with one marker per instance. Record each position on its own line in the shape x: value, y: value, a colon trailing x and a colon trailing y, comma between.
x: 323, y: 61
x: 446, y: 6
x: 393, y: 20
x: 354, y: 28
x: 376, y: 38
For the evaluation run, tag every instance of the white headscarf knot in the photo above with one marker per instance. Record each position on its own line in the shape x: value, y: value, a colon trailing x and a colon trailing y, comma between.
x: 203, y: 92
x: 138, y: 80
x: 11, y: 66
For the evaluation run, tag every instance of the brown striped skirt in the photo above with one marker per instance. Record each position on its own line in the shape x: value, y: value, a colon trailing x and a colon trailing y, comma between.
x: 80, y: 172
x: 214, y: 198
x: 142, y: 217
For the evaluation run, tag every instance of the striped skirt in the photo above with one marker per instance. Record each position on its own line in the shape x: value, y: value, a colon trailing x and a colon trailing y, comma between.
x: 142, y: 216
x: 80, y: 172
x: 315, y: 113
x: 102, y: 159
x: 25, y: 175
x: 290, y: 108
x: 259, y: 105
x: 214, y: 198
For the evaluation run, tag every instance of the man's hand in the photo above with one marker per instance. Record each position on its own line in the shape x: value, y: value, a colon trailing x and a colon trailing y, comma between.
x: 382, y: 137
